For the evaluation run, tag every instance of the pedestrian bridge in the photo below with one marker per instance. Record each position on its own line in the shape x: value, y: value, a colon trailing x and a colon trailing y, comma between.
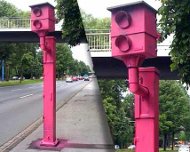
x: 18, y: 30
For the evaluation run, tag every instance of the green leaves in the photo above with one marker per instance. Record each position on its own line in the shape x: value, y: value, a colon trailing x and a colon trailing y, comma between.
x: 65, y: 64
x: 175, y: 16
x: 72, y: 27
x: 119, y: 110
x: 174, y: 107
x: 8, y: 10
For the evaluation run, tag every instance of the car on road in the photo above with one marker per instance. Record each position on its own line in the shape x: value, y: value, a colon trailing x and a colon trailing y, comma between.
x: 80, y: 77
x: 116, y: 146
x: 15, y: 78
x: 23, y: 78
x: 86, y: 78
x: 131, y: 147
x: 69, y: 79
x: 74, y: 78
x: 183, y: 148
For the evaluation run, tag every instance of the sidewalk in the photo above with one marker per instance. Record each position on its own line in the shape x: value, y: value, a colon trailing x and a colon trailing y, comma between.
x: 81, y: 123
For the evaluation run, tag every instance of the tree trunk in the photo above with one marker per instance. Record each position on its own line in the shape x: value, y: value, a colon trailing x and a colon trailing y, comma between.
x: 173, y: 140
x: 165, y: 142
x: 31, y: 73
x: 168, y: 140
x: 21, y: 74
x: 7, y: 72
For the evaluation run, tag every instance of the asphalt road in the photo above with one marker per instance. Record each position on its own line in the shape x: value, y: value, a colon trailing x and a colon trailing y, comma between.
x: 21, y: 105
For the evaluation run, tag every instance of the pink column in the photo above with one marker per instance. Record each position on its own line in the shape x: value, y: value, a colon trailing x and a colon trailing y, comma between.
x: 147, y: 112
x: 49, y: 93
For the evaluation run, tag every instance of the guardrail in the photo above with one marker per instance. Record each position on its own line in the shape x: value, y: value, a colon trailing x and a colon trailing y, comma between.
x: 12, y: 23
x: 98, y: 40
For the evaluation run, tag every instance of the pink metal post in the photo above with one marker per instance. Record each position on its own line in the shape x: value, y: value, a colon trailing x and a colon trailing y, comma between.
x: 133, y: 35
x: 49, y: 93
x: 146, y: 112
x: 42, y: 22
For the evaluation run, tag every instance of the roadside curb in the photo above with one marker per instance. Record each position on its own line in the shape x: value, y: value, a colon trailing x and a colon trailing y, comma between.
x: 26, y: 132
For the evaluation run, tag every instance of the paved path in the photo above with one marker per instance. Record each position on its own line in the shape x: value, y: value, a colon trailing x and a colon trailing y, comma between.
x: 81, y: 123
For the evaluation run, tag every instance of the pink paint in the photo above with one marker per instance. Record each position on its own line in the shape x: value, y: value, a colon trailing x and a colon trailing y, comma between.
x: 42, y: 22
x: 37, y: 145
x: 133, y: 30
x: 49, y: 93
x: 134, y: 86
x: 42, y: 18
x: 133, y: 35
x: 147, y: 112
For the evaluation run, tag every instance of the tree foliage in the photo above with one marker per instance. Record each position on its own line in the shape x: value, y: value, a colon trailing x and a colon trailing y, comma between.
x: 116, y: 108
x: 91, y: 22
x: 174, y: 108
x: 175, y: 16
x: 72, y: 28
x: 66, y: 64
x: 64, y: 59
x: 8, y: 10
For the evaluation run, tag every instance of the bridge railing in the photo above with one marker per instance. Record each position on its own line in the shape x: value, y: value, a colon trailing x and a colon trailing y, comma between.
x: 12, y: 23
x: 98, y: 40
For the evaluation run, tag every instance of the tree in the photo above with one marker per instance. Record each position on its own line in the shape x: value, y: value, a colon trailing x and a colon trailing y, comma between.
x: 30, y: 65
x: 175, y: 20
x: 64, y: 59
x: 72, y: 27
x: 116, y: 108
x: 82, y: 68
x: 182, y: 136
x: 8, y: 10
x: 12, y: 53
x: 174, y: 109
x: 91, y: 22
x: 22, y: 59
x: 65, y: 64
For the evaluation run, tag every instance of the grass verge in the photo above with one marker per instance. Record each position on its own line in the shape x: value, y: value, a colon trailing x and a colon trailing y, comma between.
x: 17, y: 82
x: 126, y: 150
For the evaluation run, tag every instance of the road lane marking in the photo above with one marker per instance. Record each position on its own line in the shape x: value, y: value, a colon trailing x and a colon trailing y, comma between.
x: 25, y: 96
x: 31, y: 87
x: 34, y: 87
x: 16, y: 90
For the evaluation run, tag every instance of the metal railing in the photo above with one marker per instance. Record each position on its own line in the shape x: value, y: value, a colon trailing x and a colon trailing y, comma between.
x: 12, y: 23
x: 98, y: 40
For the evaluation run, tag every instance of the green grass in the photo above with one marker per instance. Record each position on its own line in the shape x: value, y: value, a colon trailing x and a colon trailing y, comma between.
x: 126, y: 150
x: 17, y: 82
x: 168, y: 150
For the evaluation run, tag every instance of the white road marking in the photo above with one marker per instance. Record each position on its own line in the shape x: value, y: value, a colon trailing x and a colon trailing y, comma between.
x: 16, y: 90
x: 31, y: 87
x: 25, y: 96
x: 34, y: 87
